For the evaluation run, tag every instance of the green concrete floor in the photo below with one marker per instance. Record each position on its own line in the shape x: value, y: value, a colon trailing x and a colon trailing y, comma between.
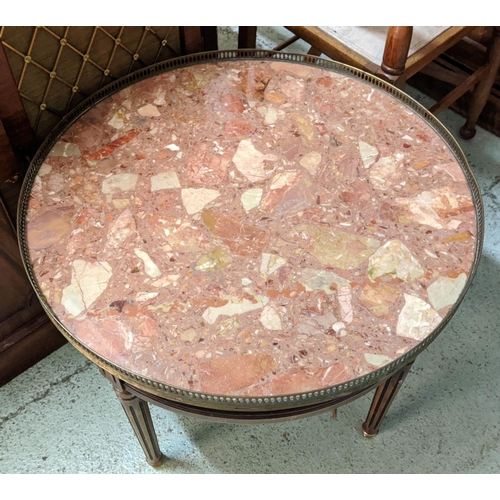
x: 61, y: 416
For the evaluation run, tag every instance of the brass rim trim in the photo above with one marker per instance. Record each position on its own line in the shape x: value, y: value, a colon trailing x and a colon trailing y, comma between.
x: 228, y: 402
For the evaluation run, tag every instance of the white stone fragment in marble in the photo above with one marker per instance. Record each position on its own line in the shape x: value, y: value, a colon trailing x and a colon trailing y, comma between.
x: 149, y: 110
x: 284, y: 179
x: 270, y: 318
x: 44, y: 169
x: 250, y: 162
x: 150, y: 268
x: 368, y: 153
x: 234, y: 307
x: 88, y: 281
x: 394, y: 258
x: 262, y: 110
x: 453, y: 170
x: 386, y: 173
x: 145, y: 296
x: 121, y: 229
x: 165, y: 180
x: 311, y: 162
x: 251, y: 198
x: 271, y: 116
x: 270, y: 263
x: 417, y: 319
x: 121, y: 203
x: 421, y: 208
x: 445, y: 291
x: 56, y: 182
x: 453, y: 224
x: 195, y: 200
x: 314, y: 279
x: 377, y: 360
x: 65, y: 149
x: 160, y: 98
x: 72, y: 299
x: 431, y: 254
x: 37, y: 186
x: 119, y: 183
x: 168, y: 280
x: 344, y: 297
x: 118, y: 120
x: 338, y: 326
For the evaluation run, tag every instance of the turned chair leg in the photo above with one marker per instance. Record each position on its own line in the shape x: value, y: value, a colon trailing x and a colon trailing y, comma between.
x: 138, y: 414
x: 396, y: 50
x: 483, y: 88
x: 384, y: 396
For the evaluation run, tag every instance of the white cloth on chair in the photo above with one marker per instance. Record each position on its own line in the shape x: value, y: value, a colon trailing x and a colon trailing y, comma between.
x: 369, y: 41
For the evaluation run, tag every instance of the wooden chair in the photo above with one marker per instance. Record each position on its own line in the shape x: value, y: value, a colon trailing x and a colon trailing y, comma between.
x: 404, y: 51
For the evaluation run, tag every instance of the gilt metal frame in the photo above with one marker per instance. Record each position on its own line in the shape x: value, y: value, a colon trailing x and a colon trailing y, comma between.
x: 219, y: 405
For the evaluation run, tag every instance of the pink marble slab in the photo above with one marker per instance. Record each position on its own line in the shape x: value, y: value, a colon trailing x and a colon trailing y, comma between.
x: 251, y: 228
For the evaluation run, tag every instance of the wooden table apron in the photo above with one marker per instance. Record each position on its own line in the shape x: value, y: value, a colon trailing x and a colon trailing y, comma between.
x: 246, y: 408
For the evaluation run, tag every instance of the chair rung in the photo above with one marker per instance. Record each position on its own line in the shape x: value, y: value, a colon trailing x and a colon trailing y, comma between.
x: 286, y: 43
x: 458, y: 91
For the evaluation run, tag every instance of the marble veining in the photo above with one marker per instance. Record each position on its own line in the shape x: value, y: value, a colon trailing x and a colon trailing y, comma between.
x: 251, y: 228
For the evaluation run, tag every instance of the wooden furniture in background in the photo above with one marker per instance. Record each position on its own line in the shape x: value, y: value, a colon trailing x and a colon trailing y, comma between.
x: 457, y: 64
x: 26, y: 333
x: 397, y: 66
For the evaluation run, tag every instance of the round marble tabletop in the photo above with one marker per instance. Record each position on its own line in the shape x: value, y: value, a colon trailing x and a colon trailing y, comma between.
x: 251, y: 228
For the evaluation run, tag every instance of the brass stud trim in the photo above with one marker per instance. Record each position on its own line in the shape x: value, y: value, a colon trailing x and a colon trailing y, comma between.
x: 189, y: 60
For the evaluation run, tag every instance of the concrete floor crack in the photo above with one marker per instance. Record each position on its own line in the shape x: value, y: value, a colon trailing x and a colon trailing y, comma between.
x: 45, y: 393
x: 489, y: 190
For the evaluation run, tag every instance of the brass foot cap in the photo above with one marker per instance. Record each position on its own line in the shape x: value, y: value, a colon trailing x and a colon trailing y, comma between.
x: 369, y: 434
x: 157, y: 462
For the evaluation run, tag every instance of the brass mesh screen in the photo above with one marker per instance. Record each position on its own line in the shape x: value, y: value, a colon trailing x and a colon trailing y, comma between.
x: 57, y: 67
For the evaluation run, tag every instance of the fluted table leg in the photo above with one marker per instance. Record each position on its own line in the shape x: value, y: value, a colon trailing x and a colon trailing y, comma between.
x: 139, y: 416
x: 384, y: 396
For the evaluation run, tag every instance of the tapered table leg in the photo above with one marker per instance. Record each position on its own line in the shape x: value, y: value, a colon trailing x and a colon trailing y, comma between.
x: 138, y: 414
x: 384, y: 396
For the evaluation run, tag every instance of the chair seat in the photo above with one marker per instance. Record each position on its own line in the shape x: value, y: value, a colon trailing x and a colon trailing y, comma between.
x: 369, y: 41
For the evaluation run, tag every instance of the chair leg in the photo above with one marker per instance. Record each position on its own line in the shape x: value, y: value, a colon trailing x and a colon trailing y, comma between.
x: 247, y: 37
x: 396, y: 50
x: 483, y: 88
x: 313, y: 51
x: 138, y: 414
x: 384, y: 396
x: 196, y: 39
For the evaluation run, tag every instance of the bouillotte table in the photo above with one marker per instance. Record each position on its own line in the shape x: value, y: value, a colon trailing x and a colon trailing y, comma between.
x: 250, y: 236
